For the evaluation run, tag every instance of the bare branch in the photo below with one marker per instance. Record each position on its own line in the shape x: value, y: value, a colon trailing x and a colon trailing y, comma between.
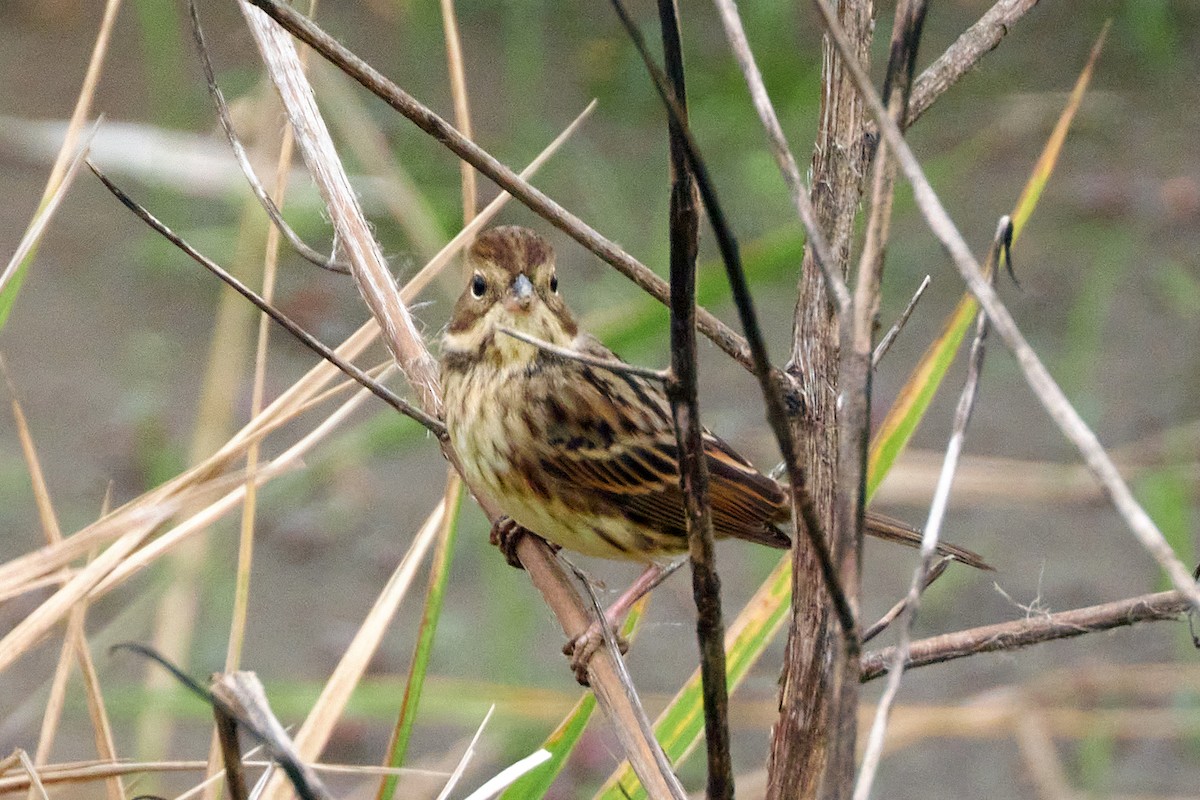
x: 1047, y: 391
x: 1025, y: 632
x: 431, y: 424
x: 889, y: 338
x: 685, y: 410
x: 880, y: 625
x: 962, y: 56
x: 619, y: 367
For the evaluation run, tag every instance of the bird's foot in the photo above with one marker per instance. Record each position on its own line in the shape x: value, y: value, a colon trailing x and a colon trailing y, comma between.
x: 506, y: 534
x: 583, y: 647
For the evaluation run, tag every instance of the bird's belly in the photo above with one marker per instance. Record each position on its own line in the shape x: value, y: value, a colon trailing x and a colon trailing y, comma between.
x: 487, y: 435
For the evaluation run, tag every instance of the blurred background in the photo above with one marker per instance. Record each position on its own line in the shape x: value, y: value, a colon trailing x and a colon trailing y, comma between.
x: 109, y: 344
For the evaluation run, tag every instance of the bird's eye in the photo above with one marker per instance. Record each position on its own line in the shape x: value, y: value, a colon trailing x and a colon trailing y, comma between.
x: 554, y: 283
x: 478, y: 286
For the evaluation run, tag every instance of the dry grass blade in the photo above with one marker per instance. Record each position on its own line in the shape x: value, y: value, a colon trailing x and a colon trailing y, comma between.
x: 80, y: 113
x: 467, y: 755
x: 462, y: 106
x: 367, y: 265
x: 87, y: 771
x: 35, y: 781
x: 361, y: 134
x: 127, y: 528
x: 37, y: 225
x: 1044, y: 387
x: 313, y: 735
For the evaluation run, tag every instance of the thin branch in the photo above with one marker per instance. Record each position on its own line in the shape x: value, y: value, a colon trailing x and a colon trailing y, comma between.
x: 776, y: 413
x: 239, y: 152
x: 889, y: 338
x: 425, y: 119
x: 619, y: 367
x: 839, y: 295
x: 933, y: 527
x: 431, y: 424
x: 962, y: 56
x: 880, y: 625
x: 685, y: 409
x: 1007, y: 636
x: 1047, y: 391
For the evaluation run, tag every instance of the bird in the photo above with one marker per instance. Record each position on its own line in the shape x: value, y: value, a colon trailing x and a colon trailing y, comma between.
x: 571, y: 445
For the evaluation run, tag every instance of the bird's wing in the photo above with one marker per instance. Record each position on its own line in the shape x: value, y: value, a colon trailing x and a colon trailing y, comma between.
x: 612, y: 444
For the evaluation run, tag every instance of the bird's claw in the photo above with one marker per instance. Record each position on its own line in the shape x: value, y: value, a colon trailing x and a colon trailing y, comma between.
x: 583, y: 647
x: 506, y: 534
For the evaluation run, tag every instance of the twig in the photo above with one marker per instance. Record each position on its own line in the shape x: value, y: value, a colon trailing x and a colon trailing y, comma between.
x: 776, y: 413
x: 962, y: 56
x: 1020, y: 633
x: 889, y: 338
x: 619, y: 367
x: 431, y: 424
x: 839, y: 295
x: 312, y: 35
x: 239, y: 152
x: 933, y: 527
x: 1047, y: 391
x: 685, y: 410
x: 880, y: 625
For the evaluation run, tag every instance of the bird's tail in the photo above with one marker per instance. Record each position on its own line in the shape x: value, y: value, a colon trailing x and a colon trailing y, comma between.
x: 893, y: 530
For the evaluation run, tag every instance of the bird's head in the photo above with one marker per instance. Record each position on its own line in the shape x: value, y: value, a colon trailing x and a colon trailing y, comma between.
x: 512, y: 284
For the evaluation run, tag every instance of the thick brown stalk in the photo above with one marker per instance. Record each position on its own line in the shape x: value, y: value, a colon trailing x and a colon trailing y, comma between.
x: 802, y: 760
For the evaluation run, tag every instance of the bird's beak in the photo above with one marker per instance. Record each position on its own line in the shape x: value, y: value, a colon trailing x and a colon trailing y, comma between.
x: 520, y: 299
